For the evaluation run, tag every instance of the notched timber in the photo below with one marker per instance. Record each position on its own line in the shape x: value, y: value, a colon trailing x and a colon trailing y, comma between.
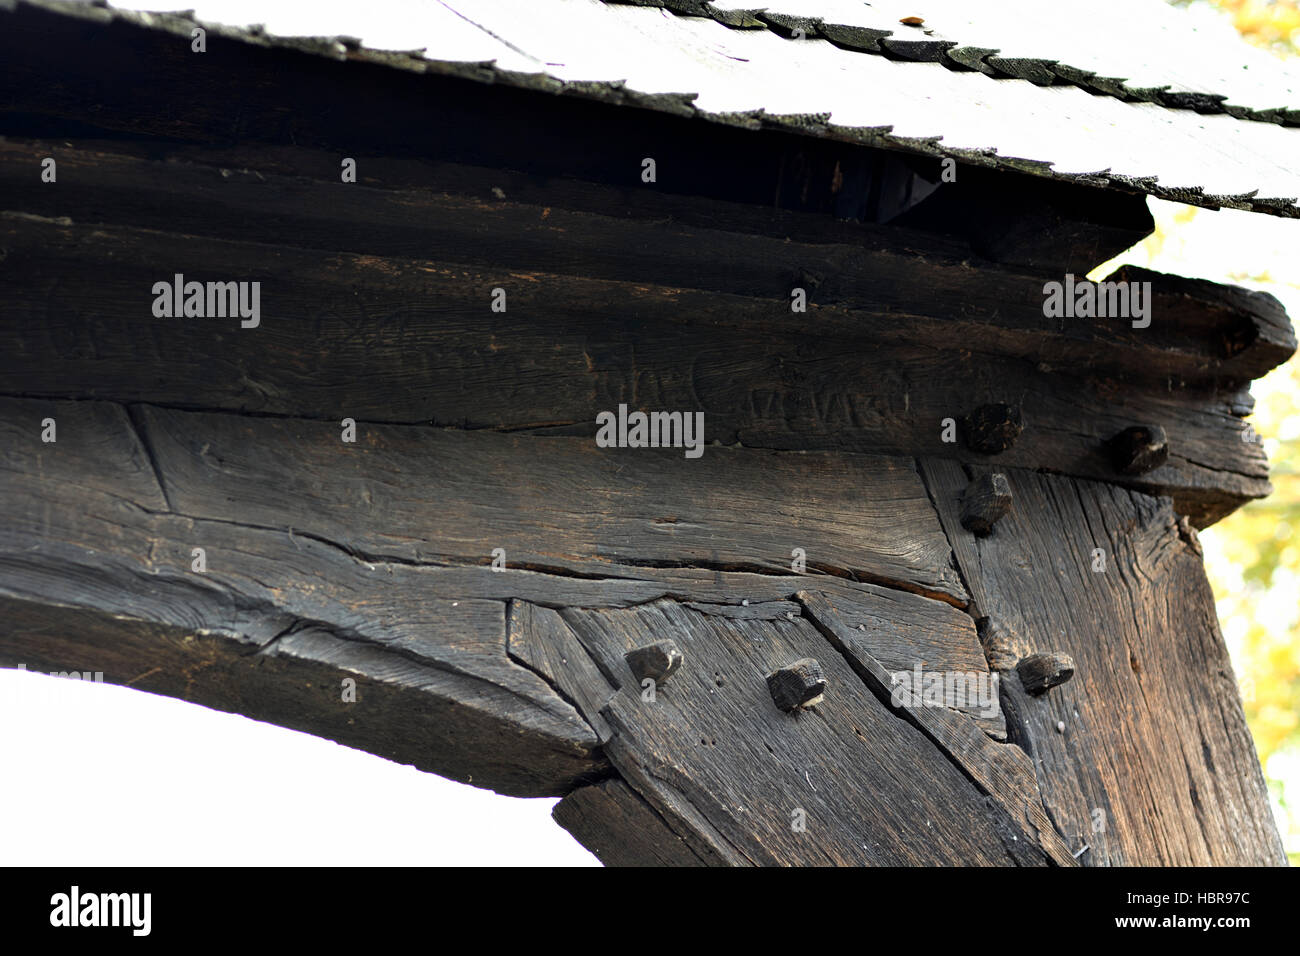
x: 733, y: 775
x: 1144, y: 755
x: 1001, y: 771
x: 570, y: 347
x: 403, y: 711
x: 1048, y: 227
x: 616, y: 824
x: 905, y: 632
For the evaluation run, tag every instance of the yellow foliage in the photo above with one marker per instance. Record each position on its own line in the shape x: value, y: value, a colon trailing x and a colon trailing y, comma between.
x: 1253, y: 556
x: 1273, y: 24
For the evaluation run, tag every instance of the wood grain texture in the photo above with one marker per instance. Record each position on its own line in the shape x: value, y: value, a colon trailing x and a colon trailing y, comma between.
x: 1002, y: 771
x: 927, y: 283
x: 406, y: 710
x: 320, y: 561
x: 1155, y: 765
x: 612, y: 821
x: 713, y: 751
x: 570, y: 347
x: 559, y: 503
x: 905, y: 631
x: 327, y: 562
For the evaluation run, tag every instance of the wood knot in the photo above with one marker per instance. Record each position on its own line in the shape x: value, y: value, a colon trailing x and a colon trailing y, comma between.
x: 985, y: 500
x: 992, y: 429
x: 1139, y: 449
x: 658, y: 661
x: 1041, y: 672
x: 800, y: 684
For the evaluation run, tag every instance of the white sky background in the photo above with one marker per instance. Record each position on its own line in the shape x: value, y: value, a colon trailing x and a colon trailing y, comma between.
x: 101, y: 775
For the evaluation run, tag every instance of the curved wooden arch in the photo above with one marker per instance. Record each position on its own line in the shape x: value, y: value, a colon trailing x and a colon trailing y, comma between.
x: 323, y: 563
x: 183, y: 509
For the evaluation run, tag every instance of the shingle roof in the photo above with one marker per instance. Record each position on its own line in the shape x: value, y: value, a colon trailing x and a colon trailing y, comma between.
x: 1130, y: 93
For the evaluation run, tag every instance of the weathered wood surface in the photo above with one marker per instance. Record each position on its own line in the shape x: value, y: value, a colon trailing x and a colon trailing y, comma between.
x: 367, y: 507
x: 1144, y: 755
x: 898, y: 284
x: 616, y: 824
x: 1000, y: 770
x: 97, y: 550
x: 844, y: 782
x: 1043, y: 226
x: 518, y: 739
x: 81, y: 325
x: 329, y: 553
x: 565, y: 505
x: 327, y: 561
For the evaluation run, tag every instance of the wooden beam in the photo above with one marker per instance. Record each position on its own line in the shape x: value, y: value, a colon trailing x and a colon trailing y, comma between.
x: 520, y: 675
x: 509, y: 735
x: 883, y: 281
x: 570, y: 347
x: 845, y: 782
x: 1047, y: 227
x: 1144, y: 754
x: 622, y: 829
x: 102, y: 526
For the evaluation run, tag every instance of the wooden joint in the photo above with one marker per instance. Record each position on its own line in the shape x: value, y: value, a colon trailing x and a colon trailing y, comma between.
x: 658, y: 661
x: 1041, y: 672
x: 1139, y: 449
x: 801, y: 684
x: 985, y: 501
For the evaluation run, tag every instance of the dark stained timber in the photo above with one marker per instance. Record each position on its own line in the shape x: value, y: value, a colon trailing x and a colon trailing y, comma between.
x: 928, y: 592
x: 80, y: 325
x: 1105, y: 576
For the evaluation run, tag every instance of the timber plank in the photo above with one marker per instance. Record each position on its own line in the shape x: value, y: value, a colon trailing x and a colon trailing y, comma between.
x: 1200, y: 331
x: 557, y: 358
x: 1002, y: 771
x: 1155, y: 764
x: 622, y: 829
x: 555, y: 503
x: 403, y: 711
x: 713, y: 752
x: 903, y: 631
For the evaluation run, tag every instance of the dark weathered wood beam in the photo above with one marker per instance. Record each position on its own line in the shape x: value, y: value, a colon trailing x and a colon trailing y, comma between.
x: 504, y: 732
x: 745, y: 783
x: 855, y: 376
x: 885, y: 281
x: 1042, y: 225
x: 1114, y: 579
x: 616, y: 824
x: 104, y: 521
x: 517, y: 679
x: 98, y: 572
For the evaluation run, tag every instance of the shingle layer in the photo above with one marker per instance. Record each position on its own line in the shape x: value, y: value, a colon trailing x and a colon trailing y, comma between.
x: 1119, y: 92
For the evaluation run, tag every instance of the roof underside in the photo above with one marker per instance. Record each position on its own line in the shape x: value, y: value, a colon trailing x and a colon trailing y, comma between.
x: 1120, y: 93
